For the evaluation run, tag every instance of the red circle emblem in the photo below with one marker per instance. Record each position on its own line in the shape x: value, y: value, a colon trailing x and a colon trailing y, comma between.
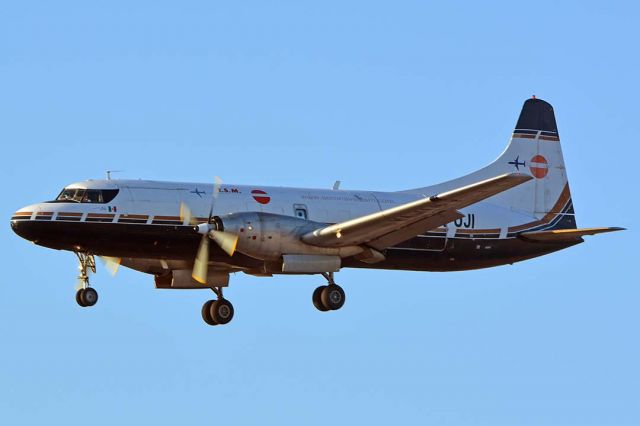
x: 260, y: 196
x: 538, y: 166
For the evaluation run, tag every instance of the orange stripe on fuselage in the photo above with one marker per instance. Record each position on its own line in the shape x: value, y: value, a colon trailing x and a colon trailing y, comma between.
x: 134, y: 216
x: 478, y: 231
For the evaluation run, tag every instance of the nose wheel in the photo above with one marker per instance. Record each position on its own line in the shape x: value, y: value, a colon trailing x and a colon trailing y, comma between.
x: 330, y: 297
x: 86, y: 296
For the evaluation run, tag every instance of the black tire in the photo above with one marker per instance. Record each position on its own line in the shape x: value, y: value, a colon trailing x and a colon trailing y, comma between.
x: 222, y: 311
x: 89, y: 296
x: 206, y: 313
x: 79, y: 298
x: 332, y: 297
x: 317, y: 301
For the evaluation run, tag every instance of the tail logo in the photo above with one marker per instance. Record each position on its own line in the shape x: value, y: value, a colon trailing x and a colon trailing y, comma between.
x: 518, y: 163
x: 538, y: 166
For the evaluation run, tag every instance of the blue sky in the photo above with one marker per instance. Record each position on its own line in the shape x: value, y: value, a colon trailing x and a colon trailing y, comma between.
x: 381, y: 95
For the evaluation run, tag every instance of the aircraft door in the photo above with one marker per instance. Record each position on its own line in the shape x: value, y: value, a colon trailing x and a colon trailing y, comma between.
x: 435, y: 240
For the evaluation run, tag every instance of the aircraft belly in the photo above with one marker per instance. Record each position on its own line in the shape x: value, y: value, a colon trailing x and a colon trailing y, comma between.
x: 181, y: 243
x: 126, y: 240
x: 460, y: 254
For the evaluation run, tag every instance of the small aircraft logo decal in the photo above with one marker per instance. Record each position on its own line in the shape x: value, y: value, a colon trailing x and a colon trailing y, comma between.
x: 518, y: 163
x: 260, y: 196
x: 538, y: 166
x: 197, y: 192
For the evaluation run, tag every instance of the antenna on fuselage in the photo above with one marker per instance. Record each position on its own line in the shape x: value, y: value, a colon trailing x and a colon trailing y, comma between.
x: 112, y: 171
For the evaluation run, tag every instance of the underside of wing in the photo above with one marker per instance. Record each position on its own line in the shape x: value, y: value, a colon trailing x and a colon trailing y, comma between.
x: 392, y: 226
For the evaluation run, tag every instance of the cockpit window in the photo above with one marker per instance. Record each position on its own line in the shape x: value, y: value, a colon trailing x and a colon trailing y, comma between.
x: 71, y: 195
x: 92, y: 196
x: 108, y: 194
x: 96, y: 196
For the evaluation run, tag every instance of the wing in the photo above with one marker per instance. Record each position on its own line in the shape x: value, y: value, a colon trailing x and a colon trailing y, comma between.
x: 392, y: 226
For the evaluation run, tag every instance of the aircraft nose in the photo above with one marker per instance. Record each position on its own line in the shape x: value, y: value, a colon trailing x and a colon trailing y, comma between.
x: 22, y: 224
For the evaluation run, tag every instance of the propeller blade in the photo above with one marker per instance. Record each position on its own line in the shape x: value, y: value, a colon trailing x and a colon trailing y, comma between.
x: 217, y: 183
x: 111, y: 264
x: 201, y: 265
x: 226, y: 240
x: 186, y: 216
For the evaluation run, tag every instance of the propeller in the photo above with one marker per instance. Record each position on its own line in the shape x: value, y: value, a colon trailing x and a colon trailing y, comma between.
x: 111, y: 264
x: 226, y: 240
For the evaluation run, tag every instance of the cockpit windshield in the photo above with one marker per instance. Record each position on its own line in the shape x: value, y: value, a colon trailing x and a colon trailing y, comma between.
x: 97, y: 196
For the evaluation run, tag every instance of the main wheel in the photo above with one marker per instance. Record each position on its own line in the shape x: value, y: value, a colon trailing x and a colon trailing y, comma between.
x: 317, y: 301
x: 79, y: 298
x: 89, y: 296
x: 206, y: 313
x: 332, y: 297
x: 222, y: 311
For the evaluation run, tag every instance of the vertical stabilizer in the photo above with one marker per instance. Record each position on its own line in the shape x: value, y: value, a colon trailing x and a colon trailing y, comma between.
x: 535, y: 149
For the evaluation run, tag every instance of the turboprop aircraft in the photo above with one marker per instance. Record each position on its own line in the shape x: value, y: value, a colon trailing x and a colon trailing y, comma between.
x: 516, y: 208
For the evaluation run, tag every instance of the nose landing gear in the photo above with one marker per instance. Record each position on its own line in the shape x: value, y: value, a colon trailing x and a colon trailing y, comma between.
x: 330, y: 297
x: 86, y: 296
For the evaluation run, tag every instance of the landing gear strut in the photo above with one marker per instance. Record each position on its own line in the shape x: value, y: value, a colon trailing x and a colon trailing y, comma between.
x: 86, y: 296
x: 217, y: 312
x: 328, y: 297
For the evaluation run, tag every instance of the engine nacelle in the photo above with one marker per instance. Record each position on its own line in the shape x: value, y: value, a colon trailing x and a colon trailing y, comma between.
x: 268, y: 236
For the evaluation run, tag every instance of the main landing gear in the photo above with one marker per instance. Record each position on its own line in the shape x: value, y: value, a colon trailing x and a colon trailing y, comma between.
x: 328, y: 297
x: 217, y: 312
x: 86, y: 296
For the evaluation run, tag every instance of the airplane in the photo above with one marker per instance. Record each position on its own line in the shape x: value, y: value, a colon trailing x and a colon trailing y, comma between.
x: 509, y: 211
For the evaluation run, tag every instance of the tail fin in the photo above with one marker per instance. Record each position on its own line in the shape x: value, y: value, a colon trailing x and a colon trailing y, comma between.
x: 535, y: 149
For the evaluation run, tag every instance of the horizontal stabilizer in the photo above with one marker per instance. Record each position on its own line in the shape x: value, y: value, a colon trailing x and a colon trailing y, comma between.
x: 564, y: 235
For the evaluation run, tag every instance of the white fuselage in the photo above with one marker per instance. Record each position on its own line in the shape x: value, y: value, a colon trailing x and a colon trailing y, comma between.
x: 155, y: 202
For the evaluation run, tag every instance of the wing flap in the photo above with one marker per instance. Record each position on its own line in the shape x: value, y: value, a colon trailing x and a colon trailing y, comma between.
x: 388, y: 227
